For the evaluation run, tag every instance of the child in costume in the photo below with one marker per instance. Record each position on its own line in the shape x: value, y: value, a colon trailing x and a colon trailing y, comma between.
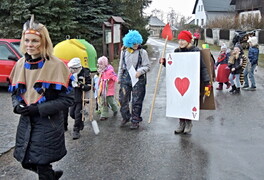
x: 106, y: 90
x: 81, y: 84
x: 132, y: 55
x: 223, y: 71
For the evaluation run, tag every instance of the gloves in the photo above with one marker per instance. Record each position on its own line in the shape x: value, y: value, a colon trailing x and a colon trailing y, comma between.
x: 20, y: 109
x: 207, y: 90
x: 32, y: 110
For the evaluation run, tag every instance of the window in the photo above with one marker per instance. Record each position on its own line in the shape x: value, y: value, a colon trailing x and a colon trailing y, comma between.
x: 4, y: 52
x: 202, y: 22
x: 201, y: 7
x: 197, y: 21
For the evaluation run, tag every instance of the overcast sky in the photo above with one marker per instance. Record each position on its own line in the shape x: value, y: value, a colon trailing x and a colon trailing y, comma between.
x: 183, y: 7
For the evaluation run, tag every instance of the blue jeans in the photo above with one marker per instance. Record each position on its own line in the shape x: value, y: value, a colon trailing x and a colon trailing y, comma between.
x: 237, y: 79
x: 250, y: 72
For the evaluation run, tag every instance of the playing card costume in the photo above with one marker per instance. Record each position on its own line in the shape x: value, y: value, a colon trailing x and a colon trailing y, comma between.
x: 40, y: 86
x: 132, y: 55
x: 185, y: 125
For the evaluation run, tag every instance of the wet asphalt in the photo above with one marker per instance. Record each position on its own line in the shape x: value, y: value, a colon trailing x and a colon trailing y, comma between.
x: 226, y: 143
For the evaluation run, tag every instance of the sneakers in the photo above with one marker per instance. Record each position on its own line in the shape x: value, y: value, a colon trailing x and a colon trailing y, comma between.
x: 123, y: 122
x: 251, y: 89
x: 134, y: 125
x: 245, y: 87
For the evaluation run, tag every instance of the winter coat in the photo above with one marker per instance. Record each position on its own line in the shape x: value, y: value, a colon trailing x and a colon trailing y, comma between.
x: 78, y: 91
x: 237, y: 63
x: 108, y: 79
x: 204, y: 76
x: 253, y: 54
x: 40, y: 139
x: 196, y: 35
x: 222, y: 58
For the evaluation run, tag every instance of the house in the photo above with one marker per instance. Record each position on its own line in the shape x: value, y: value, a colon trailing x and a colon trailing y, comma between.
x: 206, y: 10
x: 245, y: 7
x: 156, y: 26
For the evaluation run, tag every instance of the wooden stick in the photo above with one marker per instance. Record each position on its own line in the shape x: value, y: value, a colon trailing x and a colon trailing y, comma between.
x: 83, y: 101
x: 157, y: 81
x: 91, y: 100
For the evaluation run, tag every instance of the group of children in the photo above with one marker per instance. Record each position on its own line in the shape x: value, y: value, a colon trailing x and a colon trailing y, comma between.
x: 234, y: 68
x: 104, y: 82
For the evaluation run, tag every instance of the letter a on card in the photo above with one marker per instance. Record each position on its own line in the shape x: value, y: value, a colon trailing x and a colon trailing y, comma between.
x: 183, y: 85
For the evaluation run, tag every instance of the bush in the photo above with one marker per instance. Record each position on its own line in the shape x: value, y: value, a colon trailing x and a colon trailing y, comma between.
x: 249, y: 22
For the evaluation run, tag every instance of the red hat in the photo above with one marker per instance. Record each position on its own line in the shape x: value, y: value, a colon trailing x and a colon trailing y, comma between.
x: 185, y: 35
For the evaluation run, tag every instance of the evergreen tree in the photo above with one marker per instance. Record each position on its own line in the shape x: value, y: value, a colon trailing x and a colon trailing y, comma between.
x: 90, y: 17
x: 13, y: 15
x: 57, y: 15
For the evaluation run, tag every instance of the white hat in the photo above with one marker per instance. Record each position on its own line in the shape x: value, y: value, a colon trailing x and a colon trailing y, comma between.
x: 74, y: 63
x: 223, y: 46
x: 253, y: 40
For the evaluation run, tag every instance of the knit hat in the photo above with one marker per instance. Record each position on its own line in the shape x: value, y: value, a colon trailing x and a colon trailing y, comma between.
x: 74, y: 63
x: 185, y: 35
x: 103, y: 61
x: 239, y: 46
x: 131, y: 38
x: 102, y: 64
x: 223, y: 46
x: 253, y: 40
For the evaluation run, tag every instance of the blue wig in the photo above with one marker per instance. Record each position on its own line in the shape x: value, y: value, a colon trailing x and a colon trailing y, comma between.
x: 131, y: 38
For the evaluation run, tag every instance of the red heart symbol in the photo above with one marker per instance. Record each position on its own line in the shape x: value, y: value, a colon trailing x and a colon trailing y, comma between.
x: 169, y: 62
x: 182, y: 85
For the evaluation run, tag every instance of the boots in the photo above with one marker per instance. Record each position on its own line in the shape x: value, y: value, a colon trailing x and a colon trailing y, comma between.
x: 181, y: 127
x: 220, y: 87
x: 188, y: 126
x: 237, y: 91
x: 228, y: 84
x: 233, y: 89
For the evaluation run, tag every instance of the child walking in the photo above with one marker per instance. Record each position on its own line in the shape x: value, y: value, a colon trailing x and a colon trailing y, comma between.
x: 253, y: 54
x: 236, y: 66
x: 223, y: 71
x: 106, y: 91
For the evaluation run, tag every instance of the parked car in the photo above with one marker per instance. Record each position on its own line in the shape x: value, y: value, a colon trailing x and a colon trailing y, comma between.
x: 9, y: 54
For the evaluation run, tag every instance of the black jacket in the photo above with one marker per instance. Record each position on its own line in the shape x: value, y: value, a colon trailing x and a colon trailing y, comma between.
x: 204, y: 76
x: 78, y: 91
x: 40, y: 139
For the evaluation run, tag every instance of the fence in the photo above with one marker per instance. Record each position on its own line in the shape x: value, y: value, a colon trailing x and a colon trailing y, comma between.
x: 219, y: 36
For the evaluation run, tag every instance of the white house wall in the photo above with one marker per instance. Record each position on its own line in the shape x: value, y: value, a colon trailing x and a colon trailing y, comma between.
x: 200, y: 14
x: 214, y: 15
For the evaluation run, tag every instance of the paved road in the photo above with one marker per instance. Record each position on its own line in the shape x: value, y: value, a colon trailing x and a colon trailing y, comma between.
x: 225, y: 144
